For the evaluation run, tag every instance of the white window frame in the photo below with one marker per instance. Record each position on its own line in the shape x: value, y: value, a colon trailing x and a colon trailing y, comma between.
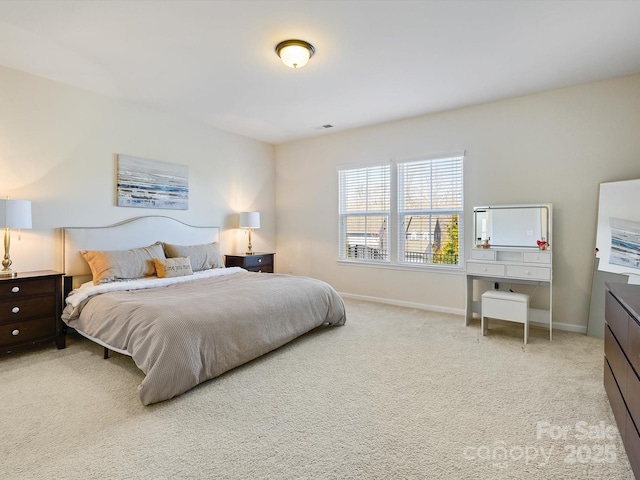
x: 395, y: 257
x: 452, y: 166
x: 370, y: 250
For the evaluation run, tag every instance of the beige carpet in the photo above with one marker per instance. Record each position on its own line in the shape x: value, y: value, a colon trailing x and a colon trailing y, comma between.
x: 396, y: 393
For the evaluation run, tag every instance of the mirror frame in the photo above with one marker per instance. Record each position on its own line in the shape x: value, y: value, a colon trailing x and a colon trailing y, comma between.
x: 545, y: 207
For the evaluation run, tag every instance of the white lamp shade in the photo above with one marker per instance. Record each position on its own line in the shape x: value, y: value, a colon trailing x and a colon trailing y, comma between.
x: 15, y: 214
x: 295, y: 56
x: 249, y: 219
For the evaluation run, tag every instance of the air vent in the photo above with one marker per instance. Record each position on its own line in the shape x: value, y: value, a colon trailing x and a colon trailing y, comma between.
x: 323, y: 127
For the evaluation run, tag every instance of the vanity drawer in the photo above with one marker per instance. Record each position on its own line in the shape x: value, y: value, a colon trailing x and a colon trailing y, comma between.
x: 489, y: 269
x: 537, y: 257
x: 533, y: 273
x: 483, y: 254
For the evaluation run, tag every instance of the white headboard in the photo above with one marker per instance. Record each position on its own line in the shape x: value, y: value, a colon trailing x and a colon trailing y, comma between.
x: 133, y: 233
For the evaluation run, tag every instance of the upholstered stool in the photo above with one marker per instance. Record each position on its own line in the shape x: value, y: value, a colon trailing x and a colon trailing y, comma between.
x: 510, y: 306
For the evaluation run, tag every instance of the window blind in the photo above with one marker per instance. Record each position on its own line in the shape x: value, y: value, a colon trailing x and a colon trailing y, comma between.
x: 430, y: 206
x: 364, y: 208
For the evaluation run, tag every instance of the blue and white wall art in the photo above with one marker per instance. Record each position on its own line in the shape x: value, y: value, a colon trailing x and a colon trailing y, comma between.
x: 151, y: 184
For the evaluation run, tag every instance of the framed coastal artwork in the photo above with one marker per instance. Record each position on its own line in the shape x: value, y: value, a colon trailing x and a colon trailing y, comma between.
x: 147, y: 183
x: 618, y: 230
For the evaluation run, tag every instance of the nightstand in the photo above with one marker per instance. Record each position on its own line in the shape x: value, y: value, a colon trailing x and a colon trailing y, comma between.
x: 258, y: 262
x: 30, y: 309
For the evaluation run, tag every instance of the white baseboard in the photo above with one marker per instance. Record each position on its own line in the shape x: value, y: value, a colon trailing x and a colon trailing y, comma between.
x: 455, y: 311
x: 567, y: 327
x: 399, y: 303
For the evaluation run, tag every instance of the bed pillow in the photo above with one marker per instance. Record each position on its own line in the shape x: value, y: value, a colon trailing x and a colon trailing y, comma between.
x: 173, y: 267
x: 113, y: 265
x: 203, y: 257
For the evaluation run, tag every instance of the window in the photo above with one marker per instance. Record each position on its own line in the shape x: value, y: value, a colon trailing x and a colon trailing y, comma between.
x: 425, y: 214
x: 429, y: 211
x: 364, y: 211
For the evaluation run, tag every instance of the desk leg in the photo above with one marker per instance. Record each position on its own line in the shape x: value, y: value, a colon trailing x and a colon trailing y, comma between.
x: 550, y: 312
x: 469, y: 297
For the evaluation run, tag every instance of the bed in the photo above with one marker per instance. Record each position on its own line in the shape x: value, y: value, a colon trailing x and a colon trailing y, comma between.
x: 191, y: 319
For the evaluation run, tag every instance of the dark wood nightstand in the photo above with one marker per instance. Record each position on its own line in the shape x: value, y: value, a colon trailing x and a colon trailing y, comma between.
x: 258, y: 262
x: 30, y: 309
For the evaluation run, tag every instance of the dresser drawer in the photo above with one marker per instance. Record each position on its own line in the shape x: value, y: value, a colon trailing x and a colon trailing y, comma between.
x: 615, y: 398
x: 537, y: 257
x: 261, y: 269
x: 532, y: 273
x: 18, y: 309
x: 617, y: 360
x: 633, y: 396
x: 23, y: 288
x: 618, y: 319
x: 483, y: 254
x: 28, y: 330
x: 489, y: 269
x: 632, y: 445
x: 633, y: 349
x: 253, y: 261
x: 259, y: 262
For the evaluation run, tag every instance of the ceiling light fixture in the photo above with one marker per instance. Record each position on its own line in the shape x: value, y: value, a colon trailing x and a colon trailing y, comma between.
x: 295, y: 53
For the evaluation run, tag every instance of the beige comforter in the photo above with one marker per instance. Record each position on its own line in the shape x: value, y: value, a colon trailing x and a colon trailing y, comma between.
x: 183, y: 334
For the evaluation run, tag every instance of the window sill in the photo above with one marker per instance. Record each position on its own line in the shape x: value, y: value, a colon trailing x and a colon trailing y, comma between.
x: 459, y: 270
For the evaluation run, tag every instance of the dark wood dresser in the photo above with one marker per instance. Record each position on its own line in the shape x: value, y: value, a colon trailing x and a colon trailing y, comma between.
x: 622, y: 364
x: 30, y: 309
x: 257, y: 262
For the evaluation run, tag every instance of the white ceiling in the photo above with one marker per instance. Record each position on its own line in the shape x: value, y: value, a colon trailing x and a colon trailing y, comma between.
x: 375, y: 61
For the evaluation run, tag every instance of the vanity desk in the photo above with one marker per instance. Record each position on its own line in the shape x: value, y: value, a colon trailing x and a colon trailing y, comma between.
x: 515, y: 259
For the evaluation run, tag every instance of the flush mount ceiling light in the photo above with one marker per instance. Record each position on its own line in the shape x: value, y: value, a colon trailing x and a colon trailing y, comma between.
x: 295, y: 53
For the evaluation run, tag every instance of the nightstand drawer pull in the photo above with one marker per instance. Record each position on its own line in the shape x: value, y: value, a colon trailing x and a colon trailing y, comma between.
x: 15, y: 332
x: 15, y: 289
x: 15, y: 309
x: 259, y: 260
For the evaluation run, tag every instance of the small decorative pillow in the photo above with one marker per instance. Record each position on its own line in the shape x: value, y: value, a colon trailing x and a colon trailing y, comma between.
x: 113, y: 265
x: 203, y: 257
x: 173, y: 267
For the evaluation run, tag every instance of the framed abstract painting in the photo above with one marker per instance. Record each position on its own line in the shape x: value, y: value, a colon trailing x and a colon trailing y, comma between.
x: 147, y: 183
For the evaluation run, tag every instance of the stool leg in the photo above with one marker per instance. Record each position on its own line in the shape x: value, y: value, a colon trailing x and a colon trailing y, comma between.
x: 484, y: 325
x: 526, y: 331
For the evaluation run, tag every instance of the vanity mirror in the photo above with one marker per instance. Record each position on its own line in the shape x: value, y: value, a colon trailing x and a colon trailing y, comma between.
x: 517, y: 226
x: 513, y: 263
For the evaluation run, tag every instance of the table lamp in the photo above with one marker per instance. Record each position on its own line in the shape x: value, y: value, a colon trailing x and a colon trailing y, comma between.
x: 13, y: 214
x: 249, y: 221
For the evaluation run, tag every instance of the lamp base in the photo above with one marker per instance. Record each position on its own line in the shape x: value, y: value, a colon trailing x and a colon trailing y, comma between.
x: 8, y: 274
x: 249, y: 253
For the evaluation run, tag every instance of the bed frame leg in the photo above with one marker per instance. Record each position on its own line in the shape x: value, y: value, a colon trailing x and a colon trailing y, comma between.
x: 106, y: 353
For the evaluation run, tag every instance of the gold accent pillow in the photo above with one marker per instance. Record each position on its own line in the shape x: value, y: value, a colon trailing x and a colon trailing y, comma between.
x: 113, y: 265
x: 203, y: 257
x: 173, y: 267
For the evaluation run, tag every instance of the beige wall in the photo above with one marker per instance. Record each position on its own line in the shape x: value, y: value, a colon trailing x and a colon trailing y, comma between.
x: 552, y: 147
x: 57, y: 147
